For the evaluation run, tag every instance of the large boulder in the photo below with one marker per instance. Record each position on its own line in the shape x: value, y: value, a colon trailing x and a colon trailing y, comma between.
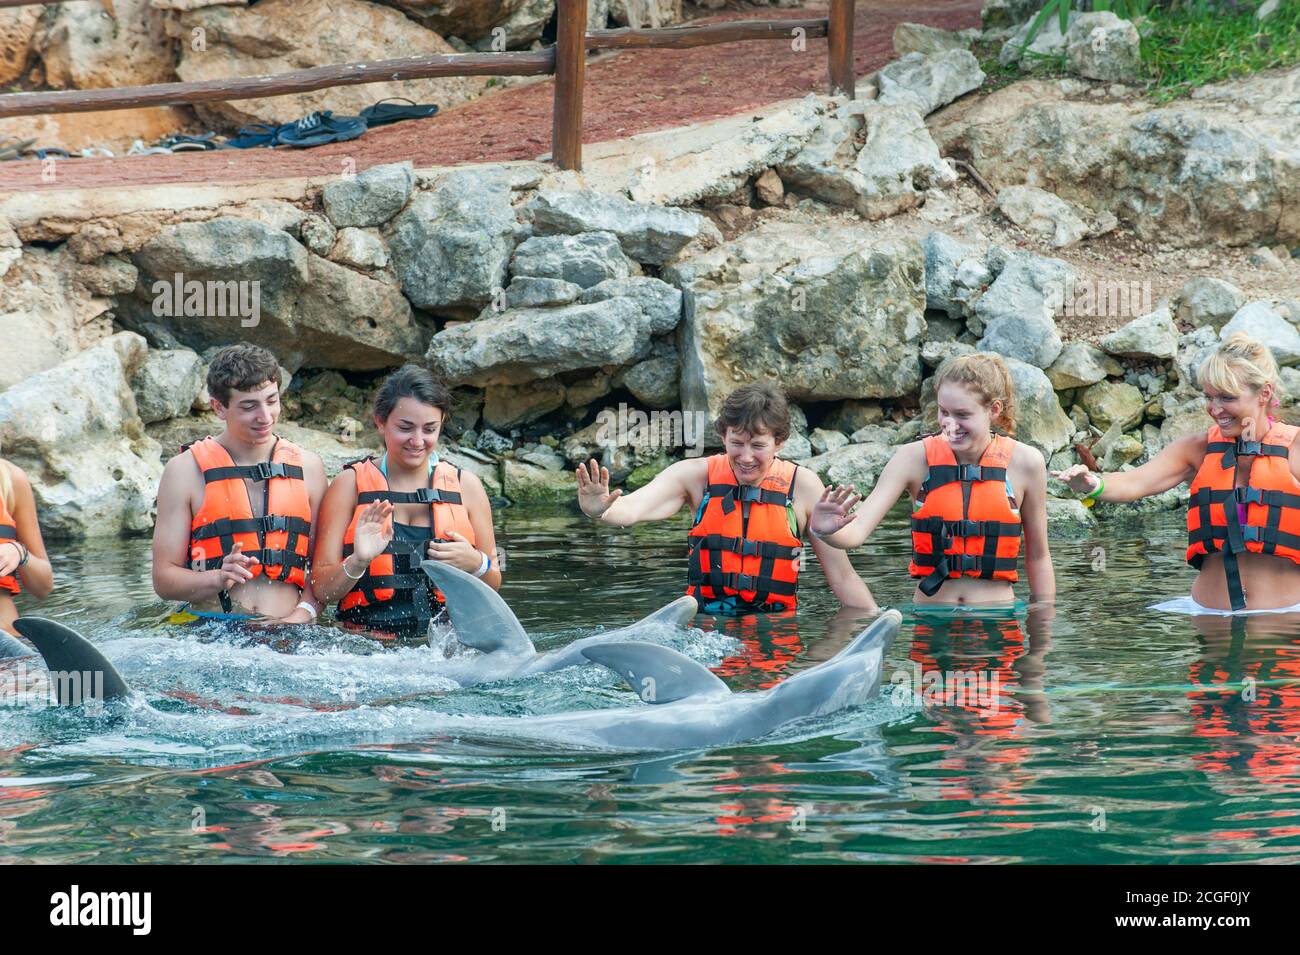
x: 1048, y: 41
x: 270, y: 38
x: 17, y: 30
x: 1209, y: 301
x: 954, y: 278
x: 1261, y: 322
x: 924, y: 82
x: 467, y: 19
x: 82, y: 46
x: 1018, y: 311
x: 919, y: 38
x: 856, y: 464
x: 1221, y: 166
x: 209, y: 283
x: 1109, y: 403
x: 47, y: 311
x: 1039, y: 418
x: 825, y: 310
x: 650, y: 234
x: 74, y: 428
x: 888, y: 173
x: 520, y: 346
x: 1150, y: 337
x: 451, y: 245
x: 661, y: 302
x: 1080, y: 365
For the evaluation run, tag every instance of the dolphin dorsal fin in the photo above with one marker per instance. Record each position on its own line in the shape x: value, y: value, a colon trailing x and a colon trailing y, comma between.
x: 481, y: 618
x: 657, y: 674
x: 66, y: 651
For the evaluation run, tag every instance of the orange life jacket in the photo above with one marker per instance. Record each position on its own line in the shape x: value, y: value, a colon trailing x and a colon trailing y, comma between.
x: 743, y: 557
x: 8, y: 532
x: 397, y: 570
x: 967, y: 524
x: 1271, y: 497
x: 279, y: 539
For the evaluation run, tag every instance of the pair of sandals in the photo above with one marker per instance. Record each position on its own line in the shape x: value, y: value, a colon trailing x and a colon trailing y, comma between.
x: 323, y: 126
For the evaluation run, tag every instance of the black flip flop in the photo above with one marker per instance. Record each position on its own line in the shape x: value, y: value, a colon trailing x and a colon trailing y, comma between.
x: 251, y: 137
x: 320, y: 128
x: 392, y: 110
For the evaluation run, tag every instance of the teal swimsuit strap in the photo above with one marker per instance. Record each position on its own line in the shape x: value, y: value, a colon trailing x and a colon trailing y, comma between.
x: 383, y: 464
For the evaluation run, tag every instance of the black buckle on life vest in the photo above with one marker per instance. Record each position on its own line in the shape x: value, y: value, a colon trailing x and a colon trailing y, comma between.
x: 748, y: 493
x: 970, y: 472
x: 967, y: 528
x: 1248, y: 495
x: 265, y: 470
x: 427, y: 495
x: 1248, y: 447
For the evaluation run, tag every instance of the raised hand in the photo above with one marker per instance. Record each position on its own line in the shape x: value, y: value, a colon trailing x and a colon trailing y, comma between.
x: 594, y: 495
x: 235, y: 567
x: 374, y: 530
x: 832, y: 510
x: 1079, y: 478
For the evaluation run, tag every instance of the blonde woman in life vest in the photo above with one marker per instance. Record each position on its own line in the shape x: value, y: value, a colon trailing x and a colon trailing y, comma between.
x: 976, y: 496
x: 1243, y: 511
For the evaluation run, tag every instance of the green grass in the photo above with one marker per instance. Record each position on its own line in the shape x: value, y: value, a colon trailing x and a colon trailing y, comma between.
x: 1182, y: 51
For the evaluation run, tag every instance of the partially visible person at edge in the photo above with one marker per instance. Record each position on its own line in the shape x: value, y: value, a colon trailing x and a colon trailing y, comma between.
x: 381, y: 518
x: 1243, y: 513
x: 237, y: 512
x: 23, y: 564
x: 975, y: 495
x: 751, y: 509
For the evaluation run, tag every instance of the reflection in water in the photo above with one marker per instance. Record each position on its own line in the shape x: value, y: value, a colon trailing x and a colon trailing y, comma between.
x: 1247, y: 705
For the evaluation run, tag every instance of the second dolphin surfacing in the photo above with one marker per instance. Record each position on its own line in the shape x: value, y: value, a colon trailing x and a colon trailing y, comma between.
x: 690, y: 707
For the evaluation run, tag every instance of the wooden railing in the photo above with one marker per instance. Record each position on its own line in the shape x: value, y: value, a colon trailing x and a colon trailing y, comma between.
x: 566, y: 60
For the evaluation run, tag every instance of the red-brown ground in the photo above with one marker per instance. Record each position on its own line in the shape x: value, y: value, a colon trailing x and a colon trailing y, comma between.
x: 626, y: 92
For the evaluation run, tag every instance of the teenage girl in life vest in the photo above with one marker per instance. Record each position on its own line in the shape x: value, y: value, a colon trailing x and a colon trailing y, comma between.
x: 382, y: 516
x: 23, y: 565
x: 975, y: 495
x: 237, y: 512
x: 750, y: 506
x: 1243, y: 512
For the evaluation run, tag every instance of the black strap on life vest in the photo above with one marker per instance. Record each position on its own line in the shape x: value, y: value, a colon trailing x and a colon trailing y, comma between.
x: 1231, y: 538
x: 746, y: 494
x: 1231, y: 450
x: 424, y: 495
x: 8, y: 532
x: 262, y: 471
x: 943, y: 533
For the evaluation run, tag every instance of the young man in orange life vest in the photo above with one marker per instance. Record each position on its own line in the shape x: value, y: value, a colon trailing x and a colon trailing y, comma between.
x: 751, y: 510
x: 236, y: 513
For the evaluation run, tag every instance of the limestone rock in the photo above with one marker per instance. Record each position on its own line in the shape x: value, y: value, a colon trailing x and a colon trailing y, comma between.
x: 919, y: 38
x: 824, y: 310
x: 1101, y: 46
x: 83, y: 46
x: 1042, y: 214
x: 370, y: 198
x: 167, y: 383
x: 75, y: 429
x: 856, y: 464
x: 1209, y: 301
x: 359, y: 249
x: 1108, y: 403
x: 924, y: 82
x: 1080, y: 365
x: 647, y: 233
x: 1262, y: 323
x: 451, y: 245
x: 1018, y: 310
x: 532, y: 292
x: 586, y: 260
x: 527, y: 344
x: 1151, y: 336
x: 661, y: 303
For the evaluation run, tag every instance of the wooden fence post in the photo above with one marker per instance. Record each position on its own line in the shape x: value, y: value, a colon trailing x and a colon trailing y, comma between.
x: 570, y: 74
x: 843, y: 80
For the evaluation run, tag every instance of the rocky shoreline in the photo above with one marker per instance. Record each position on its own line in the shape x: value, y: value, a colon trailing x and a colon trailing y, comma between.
x: 843, y: 249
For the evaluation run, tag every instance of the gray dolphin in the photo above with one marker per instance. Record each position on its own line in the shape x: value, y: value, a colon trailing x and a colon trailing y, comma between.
x: 80, y: 673
x: 485, y: 622
x: 692, y: 709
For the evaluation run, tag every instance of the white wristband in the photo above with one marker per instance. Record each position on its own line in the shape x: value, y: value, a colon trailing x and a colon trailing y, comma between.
x: 305, y: 605
x: 484, y: 567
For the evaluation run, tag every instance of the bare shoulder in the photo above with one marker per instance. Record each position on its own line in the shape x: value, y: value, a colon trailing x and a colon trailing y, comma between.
x: 17, y: 476
x: 312, y: 462
x: 469, y: 481
x: 688, y: 471
x: 180, y: 469
x: 1027, y: 458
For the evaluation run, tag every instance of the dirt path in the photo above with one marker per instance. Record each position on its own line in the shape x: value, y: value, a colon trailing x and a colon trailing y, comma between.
x: 626, y: 92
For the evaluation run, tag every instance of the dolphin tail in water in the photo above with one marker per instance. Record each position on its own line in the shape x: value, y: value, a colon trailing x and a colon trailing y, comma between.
x: 482, y: 619
x: 11, y: 648
x: 65, y: 652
